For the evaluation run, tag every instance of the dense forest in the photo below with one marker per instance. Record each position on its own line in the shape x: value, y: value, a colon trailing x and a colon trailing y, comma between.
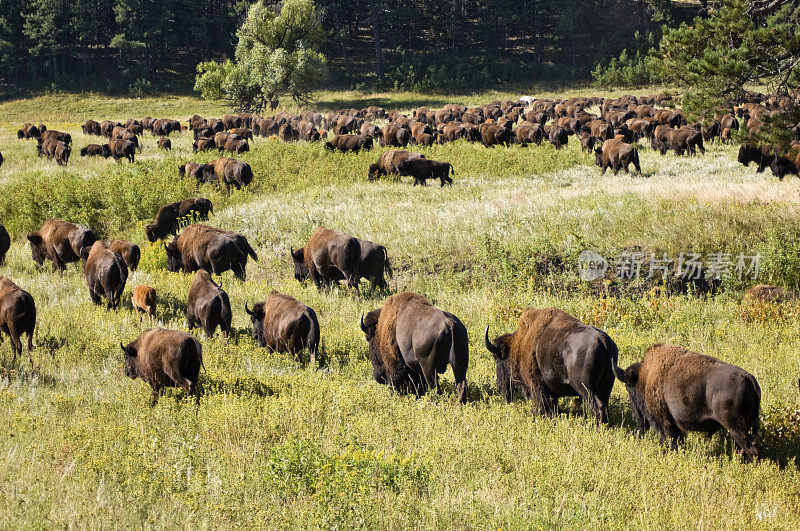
x: 145, y: 45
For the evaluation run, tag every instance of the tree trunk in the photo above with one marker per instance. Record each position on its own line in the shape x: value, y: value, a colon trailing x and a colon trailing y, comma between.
x: 337, y: 25
x: 376, y: 34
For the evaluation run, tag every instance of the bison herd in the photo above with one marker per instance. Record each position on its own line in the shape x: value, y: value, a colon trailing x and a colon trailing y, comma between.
x: 550, y: 355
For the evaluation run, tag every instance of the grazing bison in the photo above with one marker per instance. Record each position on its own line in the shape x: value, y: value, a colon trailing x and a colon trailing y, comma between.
x: 674, y: 390
x: 237, y: 146
x: 411, y: 342
x: 557, y: 136
x: 5, y: 243
x: 164, y: 143
x: 60, y: 242
x: 121, y: 149
x: 54, y: 149
x: 761, y: 292
x: 208, y: 306
x: 144, y: 299
x: 17, y: 316
x: 164, y: 358
x: 786, y: 163
x: 28, y: 131
x: 423, y: 169
x: 90, y: 127
x: 284, y: 324
x: 202, y: 173
x: 55, y: 135
x: 215, y: 250
x: 96, y: 150
x: 347, y: 143
x: 374, y: 262
x: 552, y: 354
x: 203, y: 144
x: 616, y: 154
x: 389, y: 162
x: 168, y: 217
x: 328, y: 257
x: 233, y: 172
x: 129, y: 252
x: 493, y: 135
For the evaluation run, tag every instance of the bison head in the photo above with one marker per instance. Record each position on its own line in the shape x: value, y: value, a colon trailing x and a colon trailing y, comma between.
x: 37, y: 247
x: 499, y: 349
x: 301, y: 272
x: 84, y: 150
x: 130, y: 353
x: 635, y: 387
x: 374, y: 172
x: 152, y: 232
x: 598, y: 156
x: 105, y: 151
x: 369, y: 324
x: 174, y: 262
x: 257, y: 320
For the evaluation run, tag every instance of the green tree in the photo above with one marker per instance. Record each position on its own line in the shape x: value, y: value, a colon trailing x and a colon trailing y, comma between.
x: 740, y: 44
x: 275, y: 56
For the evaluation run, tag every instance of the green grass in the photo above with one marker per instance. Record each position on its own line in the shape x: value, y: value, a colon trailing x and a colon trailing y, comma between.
x: 273, y: 444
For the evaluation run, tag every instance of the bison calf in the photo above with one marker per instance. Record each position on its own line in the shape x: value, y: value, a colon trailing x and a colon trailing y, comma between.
x: 284, y: 324
x: 144, y: 299
x: 674, y: 390
x: 164, y: 358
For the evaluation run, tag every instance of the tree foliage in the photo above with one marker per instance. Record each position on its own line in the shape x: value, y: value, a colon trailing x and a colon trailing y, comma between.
x: 276, y: 55
x: 740, y: 44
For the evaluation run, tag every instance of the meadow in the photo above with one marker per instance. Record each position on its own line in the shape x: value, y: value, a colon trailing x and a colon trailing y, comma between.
x: 275, y: 444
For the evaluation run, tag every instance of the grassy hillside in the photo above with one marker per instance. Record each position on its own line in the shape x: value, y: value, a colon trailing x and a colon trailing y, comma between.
x: 274, y: 444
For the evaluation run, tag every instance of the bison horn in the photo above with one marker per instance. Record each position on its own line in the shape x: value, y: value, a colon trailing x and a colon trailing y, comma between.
x: 246, y: 309
x: 491, y: 347
x: 363, y: 326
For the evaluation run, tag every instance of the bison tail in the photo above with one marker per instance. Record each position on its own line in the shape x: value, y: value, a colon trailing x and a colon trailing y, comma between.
x: 387, y: 266
x: 614, y: 354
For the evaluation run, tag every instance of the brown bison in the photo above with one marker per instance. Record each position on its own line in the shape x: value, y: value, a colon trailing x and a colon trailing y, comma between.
x: 557, y: 136
x: 494, y: 135
x: 203, y: 144
x: 347, y: 143
x: 528, y: 133
x: 761, y: 292
x: 105, y: 273
x: 423, y: 169
x: 164, y: 143
x: 55, y: 149
x: 374, y: 262
x: 144, y: 299
x: 208, y: 306
x: 674, y: 390
x: 164, y: 358
x: 202, y: 173
x: 129, y: 252
x: 237, y: 146
x: 122, y: 149
x: 284, y: 324
x: 5, y: 243
x: 389, y: 162
x: 233, y: 172
x: 761, y: 155
x: 95, y: 150
x: 411, y: 342
x: 28, y: 131
x: 616, y: 154
x: 328, y: 256
x: 168, y: 217
x: 60, y: 242
x: 90, y: 127
x: 215, y: 250
x: 17, y: 316
x: 553, y: 354
x: 786, y: 163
